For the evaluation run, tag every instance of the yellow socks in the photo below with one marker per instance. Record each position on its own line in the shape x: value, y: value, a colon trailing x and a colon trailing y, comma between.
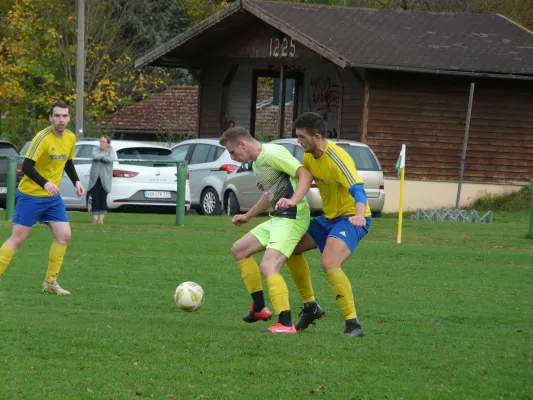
x: 279, y: 293
x: 57, y: 254
x: 343, y: 292
x: 250, y: 274
x: 6, y: 254
x: 301, y: 276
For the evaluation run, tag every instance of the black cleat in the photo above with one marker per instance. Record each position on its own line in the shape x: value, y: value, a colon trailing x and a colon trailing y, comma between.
x: 309, y: 317
x: 353, y: 330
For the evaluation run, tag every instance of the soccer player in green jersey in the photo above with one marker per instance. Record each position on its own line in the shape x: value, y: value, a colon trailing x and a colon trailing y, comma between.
x: 286, y: 182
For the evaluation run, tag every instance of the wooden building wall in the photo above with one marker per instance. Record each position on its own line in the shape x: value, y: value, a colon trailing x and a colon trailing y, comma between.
x: 350, y: 120
x: 210, y: 100
x: 428, y: 114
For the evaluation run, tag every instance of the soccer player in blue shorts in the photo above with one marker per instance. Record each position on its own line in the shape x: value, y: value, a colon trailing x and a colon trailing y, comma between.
x: 38, y: 199
x: 346, y: 219
x: 286, y: 183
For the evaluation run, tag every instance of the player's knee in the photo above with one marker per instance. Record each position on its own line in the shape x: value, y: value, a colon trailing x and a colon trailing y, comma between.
x: 238, y: 251
x: 329, y: 262
x: 16, y: 240
x: 63, y: 238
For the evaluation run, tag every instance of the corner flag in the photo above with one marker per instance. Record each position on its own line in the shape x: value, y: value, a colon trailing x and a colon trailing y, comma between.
x: 400, y: 166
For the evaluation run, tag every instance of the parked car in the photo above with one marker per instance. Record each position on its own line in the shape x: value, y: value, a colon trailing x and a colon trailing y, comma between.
x: 135, y: 184
x: 7, y: 149
x: 239, y: 192
x: 209, y: 165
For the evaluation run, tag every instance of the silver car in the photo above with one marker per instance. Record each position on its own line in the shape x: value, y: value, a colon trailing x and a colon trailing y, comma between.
x: 209, y: 165
x: 240, y: 192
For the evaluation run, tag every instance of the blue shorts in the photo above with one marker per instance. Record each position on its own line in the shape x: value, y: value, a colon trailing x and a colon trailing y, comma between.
x: 321, y: 228
x: 30, y: 209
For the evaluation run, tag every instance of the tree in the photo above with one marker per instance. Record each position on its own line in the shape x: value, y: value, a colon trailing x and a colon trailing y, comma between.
x: 38, y: 59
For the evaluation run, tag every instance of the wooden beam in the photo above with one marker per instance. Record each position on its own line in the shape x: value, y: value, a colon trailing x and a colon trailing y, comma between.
x: 282, y: 90
x: 364, y: 130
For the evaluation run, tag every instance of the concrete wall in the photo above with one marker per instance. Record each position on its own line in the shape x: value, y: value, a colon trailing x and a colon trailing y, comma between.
x: 428, y: 195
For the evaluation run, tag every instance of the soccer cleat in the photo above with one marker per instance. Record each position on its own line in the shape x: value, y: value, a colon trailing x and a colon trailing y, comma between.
x: 309, y: 317
x: 279, y: 328
x: 54, y: 288
x: 354, y: 330
x: 264, y: 315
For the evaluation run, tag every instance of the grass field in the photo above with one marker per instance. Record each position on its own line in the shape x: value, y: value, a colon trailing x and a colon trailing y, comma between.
x: 447, y: 315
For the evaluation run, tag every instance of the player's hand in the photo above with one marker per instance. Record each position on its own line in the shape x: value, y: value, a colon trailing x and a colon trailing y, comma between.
x: 240, y: 219
x: 51, y: 188
x: 80, y: 190
x: 261, y: 187
x: 285, y: 203
x: 357, y: 220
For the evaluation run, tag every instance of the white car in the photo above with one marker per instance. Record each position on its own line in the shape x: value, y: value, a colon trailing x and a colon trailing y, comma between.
x: 135, y: 184
x: 209, y: 166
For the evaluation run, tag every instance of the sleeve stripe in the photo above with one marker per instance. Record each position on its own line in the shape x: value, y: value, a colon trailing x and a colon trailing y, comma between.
x: 33, y: 149
x: 336, y: 159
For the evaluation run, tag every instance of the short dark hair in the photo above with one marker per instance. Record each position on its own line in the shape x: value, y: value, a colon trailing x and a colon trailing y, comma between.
x: 234, y: 135
x: 312, y: 123
x: 60, y: 104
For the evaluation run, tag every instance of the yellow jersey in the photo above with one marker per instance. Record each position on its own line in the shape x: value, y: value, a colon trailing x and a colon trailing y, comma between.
x: 50, y: 154
x: 335, y: 173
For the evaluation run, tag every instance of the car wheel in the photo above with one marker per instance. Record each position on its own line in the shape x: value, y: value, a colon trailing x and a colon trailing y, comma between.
x: 210, y: 203
x: 89, y: 202
x: 232, y: 204
x: 377, y: 214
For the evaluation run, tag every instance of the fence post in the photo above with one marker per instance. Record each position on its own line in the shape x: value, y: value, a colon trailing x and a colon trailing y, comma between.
x: 180, y: 194
x: 530, y: 234
x: 11, y: 186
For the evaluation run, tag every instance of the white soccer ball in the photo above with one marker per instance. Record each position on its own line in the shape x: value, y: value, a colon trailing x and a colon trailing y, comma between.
x: 189, y: 296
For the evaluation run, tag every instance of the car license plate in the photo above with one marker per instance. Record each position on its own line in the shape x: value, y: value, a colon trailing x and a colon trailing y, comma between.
x: 3, y: 189
x: 151, y: 194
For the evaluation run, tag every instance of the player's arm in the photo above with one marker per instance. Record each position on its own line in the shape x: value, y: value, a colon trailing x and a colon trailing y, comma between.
x: 70, y: 170
x: 359, y: 194
x: 262, y: 205
x: 305, y: 179
x: 28, y: 168
x: 346, y: 176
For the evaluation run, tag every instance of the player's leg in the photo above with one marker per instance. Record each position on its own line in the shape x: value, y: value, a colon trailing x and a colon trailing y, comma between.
x: 57, y: 219
x: 284, y: 236
x: 277, y: 290
x: 342, y: 241
x: 11, y: 245
x: 242, y: 250
x: 301, y: 274
x: 24, y: 217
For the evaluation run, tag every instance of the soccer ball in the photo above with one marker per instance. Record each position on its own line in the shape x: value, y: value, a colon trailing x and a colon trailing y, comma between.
x: 189, y: 296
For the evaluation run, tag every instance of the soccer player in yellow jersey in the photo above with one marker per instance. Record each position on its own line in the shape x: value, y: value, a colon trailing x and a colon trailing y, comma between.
x: 346, y: 219
x: 286, y: 183
x: 38, y: 199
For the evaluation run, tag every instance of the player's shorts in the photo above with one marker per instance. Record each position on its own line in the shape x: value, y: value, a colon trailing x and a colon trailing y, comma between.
x: 30, y: 209
x: 321, y: 228
x: 282, y: 234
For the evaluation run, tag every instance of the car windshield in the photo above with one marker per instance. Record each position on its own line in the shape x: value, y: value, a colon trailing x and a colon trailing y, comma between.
x: 7, y: 151
x: 363, y: 157
x: 157, y: 155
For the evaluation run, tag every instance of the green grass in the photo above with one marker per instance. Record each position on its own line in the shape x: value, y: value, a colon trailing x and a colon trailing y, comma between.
x: 447, y: 315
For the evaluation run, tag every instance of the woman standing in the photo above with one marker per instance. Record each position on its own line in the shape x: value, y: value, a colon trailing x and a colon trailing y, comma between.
x: 100, y: 178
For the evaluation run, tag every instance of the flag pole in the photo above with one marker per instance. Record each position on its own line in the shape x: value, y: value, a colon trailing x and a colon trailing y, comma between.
x: 402, y: 176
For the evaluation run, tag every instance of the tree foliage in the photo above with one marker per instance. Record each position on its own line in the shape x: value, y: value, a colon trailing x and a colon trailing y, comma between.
x: 38, y: 59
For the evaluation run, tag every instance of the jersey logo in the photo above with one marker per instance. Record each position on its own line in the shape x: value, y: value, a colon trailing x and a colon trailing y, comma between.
x: 318, y: 180
x: 343, y: 233
x: 58, y: 157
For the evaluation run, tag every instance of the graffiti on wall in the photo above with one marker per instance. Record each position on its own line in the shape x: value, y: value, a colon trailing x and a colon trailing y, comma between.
x: 324, y: 99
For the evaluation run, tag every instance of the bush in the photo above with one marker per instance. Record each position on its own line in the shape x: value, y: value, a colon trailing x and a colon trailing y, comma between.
x: 517, y: 201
